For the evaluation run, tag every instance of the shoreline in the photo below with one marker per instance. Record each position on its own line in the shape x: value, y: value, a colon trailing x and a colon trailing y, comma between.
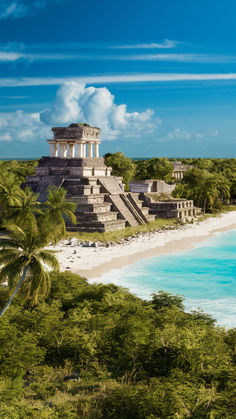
x: 93, y: 262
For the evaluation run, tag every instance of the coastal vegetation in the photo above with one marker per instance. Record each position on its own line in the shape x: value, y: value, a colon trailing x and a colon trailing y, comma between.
x: 27, y: 227
x: 71, y: 349
x: 97, y: 351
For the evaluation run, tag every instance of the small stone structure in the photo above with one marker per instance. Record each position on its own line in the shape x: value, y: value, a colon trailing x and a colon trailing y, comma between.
x: 74, y: 164
x: 172, y: 208
x: 150, y: 185
x: 179, y: 169
x: 77, y: 140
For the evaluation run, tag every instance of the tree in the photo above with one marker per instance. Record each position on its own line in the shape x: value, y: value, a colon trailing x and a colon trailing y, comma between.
x: 159, y: 168
x: 56, y: 209
x: 27, y: 211
x: 23, y: 262
x: 208, y: 190
x: 10, y: 195
x: 121, y: 166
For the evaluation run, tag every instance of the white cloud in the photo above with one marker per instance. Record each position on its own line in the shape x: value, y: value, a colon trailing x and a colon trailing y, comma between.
x: 20, y: 8
x: 184, y: 58
x: 23, y: 127
x: 15, y: 9
x: 211, y: 133
x: 167, y: 43
x: 8, y: 53
x: 5, y: 137
x: 120, y: 78
x: 181, y: 134
x: 178, y: 134
x: 96, y: 106
x: 6, y: 56
x: 77, y: 103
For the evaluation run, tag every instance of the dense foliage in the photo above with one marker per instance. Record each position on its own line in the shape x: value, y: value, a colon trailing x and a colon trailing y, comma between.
x: 121, y: 165
x: 26, y: 228
x: 97, y: 351
x: 209, y: 190
x: 156, y: 168
x: 18, y: 169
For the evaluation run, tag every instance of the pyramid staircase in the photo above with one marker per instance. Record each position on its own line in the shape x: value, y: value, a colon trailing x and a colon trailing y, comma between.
x: 93, y: 212
x: 103, y: 206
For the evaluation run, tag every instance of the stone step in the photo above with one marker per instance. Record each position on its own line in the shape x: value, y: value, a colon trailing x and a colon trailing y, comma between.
x: 136, y: 195
x: 82, y: 181
x: 110, y: 185
x: 92, y: 216
x: 119, y: 205
x: 86, y: 199
x: 101, y: 227
x: 98, y: 208
x: 78, y: 189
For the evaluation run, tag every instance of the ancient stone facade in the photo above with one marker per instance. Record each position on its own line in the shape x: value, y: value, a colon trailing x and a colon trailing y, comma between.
x: 179, y: 169
x: 102, y: 204
x: 150, y: 185
x: 77, y: 140
x: 172, y: 208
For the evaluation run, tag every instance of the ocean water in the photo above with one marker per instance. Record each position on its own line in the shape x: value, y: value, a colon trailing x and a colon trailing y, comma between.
x: 205, y: 276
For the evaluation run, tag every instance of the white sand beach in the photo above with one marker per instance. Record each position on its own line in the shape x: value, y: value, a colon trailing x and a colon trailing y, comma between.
x: 90, y: 261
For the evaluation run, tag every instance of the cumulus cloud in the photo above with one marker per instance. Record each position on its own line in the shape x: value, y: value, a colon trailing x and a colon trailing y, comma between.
x: 23, y: 127
x: 96, y: 106
x: 20, y: 8
x: 77, y: 103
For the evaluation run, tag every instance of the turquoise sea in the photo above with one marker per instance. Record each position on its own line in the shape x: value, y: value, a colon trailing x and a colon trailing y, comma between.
x: 204, y: 275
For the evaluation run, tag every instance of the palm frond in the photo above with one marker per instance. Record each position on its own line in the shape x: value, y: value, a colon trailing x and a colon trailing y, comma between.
x: 49, y: 259
x: 7, y: 243
x: 11, y: 271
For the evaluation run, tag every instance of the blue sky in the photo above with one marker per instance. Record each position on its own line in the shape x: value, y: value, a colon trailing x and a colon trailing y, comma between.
x: 158, y: 76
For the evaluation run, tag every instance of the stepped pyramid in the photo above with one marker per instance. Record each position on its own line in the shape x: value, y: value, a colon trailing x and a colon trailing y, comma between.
x: 75, y: 165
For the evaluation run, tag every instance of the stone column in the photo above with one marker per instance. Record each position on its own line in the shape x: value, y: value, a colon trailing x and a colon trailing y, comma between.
x: 62, y: 150
x: 52, y: 150
x: 90, y: 149
x: 79, y: 150
x: 71, y: 150
x: 96, y: 149
x: 84, y: 149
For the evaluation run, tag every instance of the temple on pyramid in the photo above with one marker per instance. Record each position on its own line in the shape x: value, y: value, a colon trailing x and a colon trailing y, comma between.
x: 74, y: 164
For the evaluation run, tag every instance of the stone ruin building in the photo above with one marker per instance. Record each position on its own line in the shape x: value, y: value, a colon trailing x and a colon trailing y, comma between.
x: 102, y: 203
x: 151, y: 185
x: 156, y: 195
x: 75, y: 165
x: 179, y: 169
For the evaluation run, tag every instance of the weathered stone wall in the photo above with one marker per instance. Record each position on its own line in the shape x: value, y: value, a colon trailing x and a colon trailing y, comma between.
x: 148, y: 186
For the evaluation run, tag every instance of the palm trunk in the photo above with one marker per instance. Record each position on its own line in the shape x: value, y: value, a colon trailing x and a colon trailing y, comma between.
x: 17, y: 288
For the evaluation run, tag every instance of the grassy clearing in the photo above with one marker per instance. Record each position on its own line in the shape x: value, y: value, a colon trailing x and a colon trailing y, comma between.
x: 116, y: 236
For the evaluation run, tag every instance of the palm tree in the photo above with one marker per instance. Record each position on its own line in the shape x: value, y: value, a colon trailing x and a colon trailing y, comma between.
x: 24, y: 262
x: 10, y: 195
x: 28, y: 210
x: 56, y: 210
